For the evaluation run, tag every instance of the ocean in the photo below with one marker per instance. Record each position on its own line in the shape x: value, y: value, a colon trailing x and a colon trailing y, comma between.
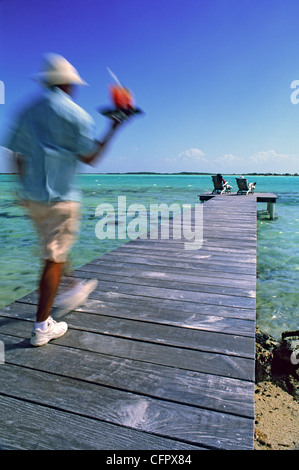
x: 277, y: 260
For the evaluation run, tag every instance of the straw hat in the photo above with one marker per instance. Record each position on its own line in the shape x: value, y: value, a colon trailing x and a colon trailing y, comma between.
x: 56, y: 70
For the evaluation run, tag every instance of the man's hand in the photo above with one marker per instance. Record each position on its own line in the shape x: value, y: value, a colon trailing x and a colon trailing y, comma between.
x: 101, y: 145
x: 116, y: 123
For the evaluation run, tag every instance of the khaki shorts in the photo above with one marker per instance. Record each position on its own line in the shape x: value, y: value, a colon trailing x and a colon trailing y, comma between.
x: 57, y: 225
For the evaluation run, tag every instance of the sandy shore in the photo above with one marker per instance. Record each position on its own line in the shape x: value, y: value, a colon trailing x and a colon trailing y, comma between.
x: 276, y: 418
x: 276, y: 396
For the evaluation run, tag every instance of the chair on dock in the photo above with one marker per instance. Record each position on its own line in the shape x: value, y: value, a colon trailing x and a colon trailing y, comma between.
x: 219, y: 185
x: 244, y: 187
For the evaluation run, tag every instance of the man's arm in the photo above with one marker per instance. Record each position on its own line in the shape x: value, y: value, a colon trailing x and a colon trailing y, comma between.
x: 100, y: 145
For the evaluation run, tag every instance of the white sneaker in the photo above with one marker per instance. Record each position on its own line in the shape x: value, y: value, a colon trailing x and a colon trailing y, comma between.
x: 74, y: 297
x: 54, y: 330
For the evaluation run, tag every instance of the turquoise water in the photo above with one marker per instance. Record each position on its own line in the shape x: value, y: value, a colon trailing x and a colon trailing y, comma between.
x: 278, y: 258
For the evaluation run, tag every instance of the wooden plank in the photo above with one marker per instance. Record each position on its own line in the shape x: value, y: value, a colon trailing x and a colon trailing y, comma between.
x: 186, y: 269
x: 200, y: 255
x: 186, y: 283
x: 207, y: 287
x: 27, y: 426
x: 156, y: 246
x: 172, y: 294
x: 178, y: 263
x: 207, y: 391
x: 260, y: 197
x: 178, y: 242
x: 142, y: 311
x: 176, y: 246
x: 183, y: 314
x: 212, y: 237
x: 164, y: 418
x: 222, y: 343
x: 120, y: 348
x: 177, y: 294
x: 23, y: 425
x: 155, y: 273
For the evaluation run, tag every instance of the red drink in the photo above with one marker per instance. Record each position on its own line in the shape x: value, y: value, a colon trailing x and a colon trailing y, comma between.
x: 121, y: 97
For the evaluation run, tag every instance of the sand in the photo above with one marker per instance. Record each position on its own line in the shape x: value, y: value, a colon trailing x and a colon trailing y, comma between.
x: 276, y: 418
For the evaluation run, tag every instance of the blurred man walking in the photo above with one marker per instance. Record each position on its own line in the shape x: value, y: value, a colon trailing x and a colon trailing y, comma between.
x: 48, y: 138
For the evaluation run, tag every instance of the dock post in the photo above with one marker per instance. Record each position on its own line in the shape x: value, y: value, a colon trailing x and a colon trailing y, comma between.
x: 271, y: 209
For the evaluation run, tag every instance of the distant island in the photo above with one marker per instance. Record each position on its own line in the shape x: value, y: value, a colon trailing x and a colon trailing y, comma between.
x: 183, y: 173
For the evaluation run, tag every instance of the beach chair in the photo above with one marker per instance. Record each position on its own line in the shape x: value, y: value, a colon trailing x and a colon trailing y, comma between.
x: 219, y: 186
x: 244, y: 187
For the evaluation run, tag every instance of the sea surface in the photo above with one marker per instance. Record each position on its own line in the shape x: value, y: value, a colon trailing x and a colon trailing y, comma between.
x: 278, y: 239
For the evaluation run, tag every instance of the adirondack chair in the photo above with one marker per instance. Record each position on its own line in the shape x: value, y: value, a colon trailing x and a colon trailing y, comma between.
x: 219, y: 186
x: 244, y: 187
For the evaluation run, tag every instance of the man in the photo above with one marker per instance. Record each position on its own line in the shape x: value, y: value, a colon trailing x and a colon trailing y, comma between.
x: 48, y: 139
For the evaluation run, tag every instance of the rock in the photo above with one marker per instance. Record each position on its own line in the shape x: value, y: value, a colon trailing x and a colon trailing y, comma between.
x: 278, y: 362
x: 261, y: 437
x: 289, y: 348
x: 264, y: 347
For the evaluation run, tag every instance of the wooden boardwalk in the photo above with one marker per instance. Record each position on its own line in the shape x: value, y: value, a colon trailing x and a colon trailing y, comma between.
x: 160, y: 357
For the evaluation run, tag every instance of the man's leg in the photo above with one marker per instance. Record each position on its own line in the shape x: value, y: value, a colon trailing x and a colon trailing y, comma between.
x: 45, y: 327
x: 48, y: 287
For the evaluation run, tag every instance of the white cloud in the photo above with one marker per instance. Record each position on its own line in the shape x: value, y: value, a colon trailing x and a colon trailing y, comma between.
x: 263, y: 161
x: 192, y: 154
x: 267, y: 155
x: 272, y: 161
x: 260, y: 162
x: 122, y: 158
x: 229, y: 158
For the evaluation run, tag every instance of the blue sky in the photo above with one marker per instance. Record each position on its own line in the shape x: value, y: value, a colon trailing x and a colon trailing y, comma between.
x: 213, y: 77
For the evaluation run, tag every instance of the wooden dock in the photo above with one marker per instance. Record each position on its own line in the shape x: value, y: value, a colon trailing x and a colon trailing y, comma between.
x: 269, y: 198
x: 160, y: 357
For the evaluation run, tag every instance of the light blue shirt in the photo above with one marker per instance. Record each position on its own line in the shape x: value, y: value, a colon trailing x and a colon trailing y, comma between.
x: 50, y: 134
